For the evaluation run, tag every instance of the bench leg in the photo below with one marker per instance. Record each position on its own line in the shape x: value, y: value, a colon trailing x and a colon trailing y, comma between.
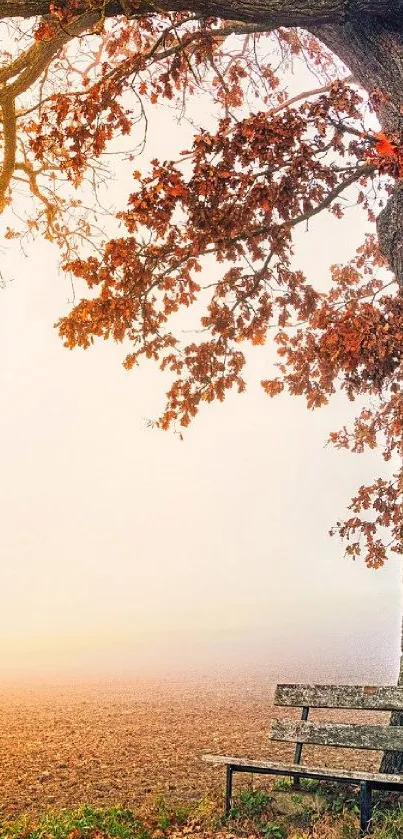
x: 365, y: 806
x: 228, y: 791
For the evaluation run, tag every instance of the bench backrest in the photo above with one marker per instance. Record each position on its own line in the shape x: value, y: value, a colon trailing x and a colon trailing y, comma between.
x: 366, y: 697
x: 361, y: 697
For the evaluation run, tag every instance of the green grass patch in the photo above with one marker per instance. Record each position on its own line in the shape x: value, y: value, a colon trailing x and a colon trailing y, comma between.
x: 252, y: 803
x: 282, y: 783
x: 312, y: 811
x: 85, y: 821
x: 326, y: 812
x: 167, y: 815
x: 275, y: 830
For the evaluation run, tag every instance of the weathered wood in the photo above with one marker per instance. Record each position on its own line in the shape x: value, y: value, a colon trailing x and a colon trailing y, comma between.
x: 367, y: 697
x: 272, y: 767
x: 377, y: 737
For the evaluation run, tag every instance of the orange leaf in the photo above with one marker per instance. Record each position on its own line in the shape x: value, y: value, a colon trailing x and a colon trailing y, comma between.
x: 384, y: 146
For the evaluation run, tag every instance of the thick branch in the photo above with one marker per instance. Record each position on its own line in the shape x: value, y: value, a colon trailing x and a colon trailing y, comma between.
x: 273, y: 13
x: 10, y: 144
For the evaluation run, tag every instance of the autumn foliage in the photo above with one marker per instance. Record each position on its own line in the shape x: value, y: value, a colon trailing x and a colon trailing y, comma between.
x: 234, y: 197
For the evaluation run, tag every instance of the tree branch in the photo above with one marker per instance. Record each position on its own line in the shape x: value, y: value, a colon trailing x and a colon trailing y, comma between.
x: 25, y: 70
x: 10, y: 145
x: 273, y: 13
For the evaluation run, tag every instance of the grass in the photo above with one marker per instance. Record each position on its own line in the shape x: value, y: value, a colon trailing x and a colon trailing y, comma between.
x: 317, y: 810
x: 312, y: 811
x: 86, y: 821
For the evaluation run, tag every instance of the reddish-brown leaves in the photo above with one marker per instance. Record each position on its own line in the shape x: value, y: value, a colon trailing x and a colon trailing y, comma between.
x: 242, y: 193
x: 230, y: 205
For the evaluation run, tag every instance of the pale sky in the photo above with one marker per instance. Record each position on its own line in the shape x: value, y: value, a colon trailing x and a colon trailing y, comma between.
x: 125, y: 550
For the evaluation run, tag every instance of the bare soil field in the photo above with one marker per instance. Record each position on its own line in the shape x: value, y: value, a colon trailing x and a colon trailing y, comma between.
x: 131, y: 743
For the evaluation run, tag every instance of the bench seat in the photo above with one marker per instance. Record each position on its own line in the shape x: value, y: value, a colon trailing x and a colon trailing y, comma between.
x: 376, y: 779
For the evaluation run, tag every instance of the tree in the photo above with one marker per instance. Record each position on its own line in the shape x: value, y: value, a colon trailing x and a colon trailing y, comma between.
x: 88, y: 71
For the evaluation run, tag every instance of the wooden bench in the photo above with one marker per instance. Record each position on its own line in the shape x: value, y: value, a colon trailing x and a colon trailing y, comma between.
x: 300, y: 732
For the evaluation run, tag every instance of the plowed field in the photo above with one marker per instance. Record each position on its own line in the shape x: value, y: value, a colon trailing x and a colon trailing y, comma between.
x: 130, y: 743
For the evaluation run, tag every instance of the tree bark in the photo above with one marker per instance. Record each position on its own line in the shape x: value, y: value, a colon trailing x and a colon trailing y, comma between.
x: 373, y: 50
x: 392, y: 762
x: 272, y: 12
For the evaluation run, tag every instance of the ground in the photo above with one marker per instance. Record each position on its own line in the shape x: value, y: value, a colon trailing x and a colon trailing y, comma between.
x: 133, y: 742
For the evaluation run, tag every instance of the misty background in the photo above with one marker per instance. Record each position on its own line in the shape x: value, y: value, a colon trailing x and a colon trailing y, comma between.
x: 126, y: 551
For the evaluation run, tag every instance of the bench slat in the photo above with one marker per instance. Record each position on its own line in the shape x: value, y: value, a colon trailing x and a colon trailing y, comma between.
x: 368, y: 697
x: 309, y: 771
x: 378, y: 737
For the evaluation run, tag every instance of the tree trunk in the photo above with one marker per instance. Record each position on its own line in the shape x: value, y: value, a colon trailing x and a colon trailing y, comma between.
x: 373, y: 50
x: 392, y: 762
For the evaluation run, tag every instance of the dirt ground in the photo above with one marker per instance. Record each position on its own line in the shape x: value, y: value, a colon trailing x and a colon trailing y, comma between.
x: 131, y: 743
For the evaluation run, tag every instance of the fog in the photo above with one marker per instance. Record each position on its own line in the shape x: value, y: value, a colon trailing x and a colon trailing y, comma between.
x: 126, y: 551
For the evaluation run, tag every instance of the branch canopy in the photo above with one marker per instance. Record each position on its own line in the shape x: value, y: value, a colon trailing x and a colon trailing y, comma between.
x: 233, y: 198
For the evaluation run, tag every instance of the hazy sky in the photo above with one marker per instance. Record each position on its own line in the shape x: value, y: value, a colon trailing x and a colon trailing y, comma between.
x: 124, y: 549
